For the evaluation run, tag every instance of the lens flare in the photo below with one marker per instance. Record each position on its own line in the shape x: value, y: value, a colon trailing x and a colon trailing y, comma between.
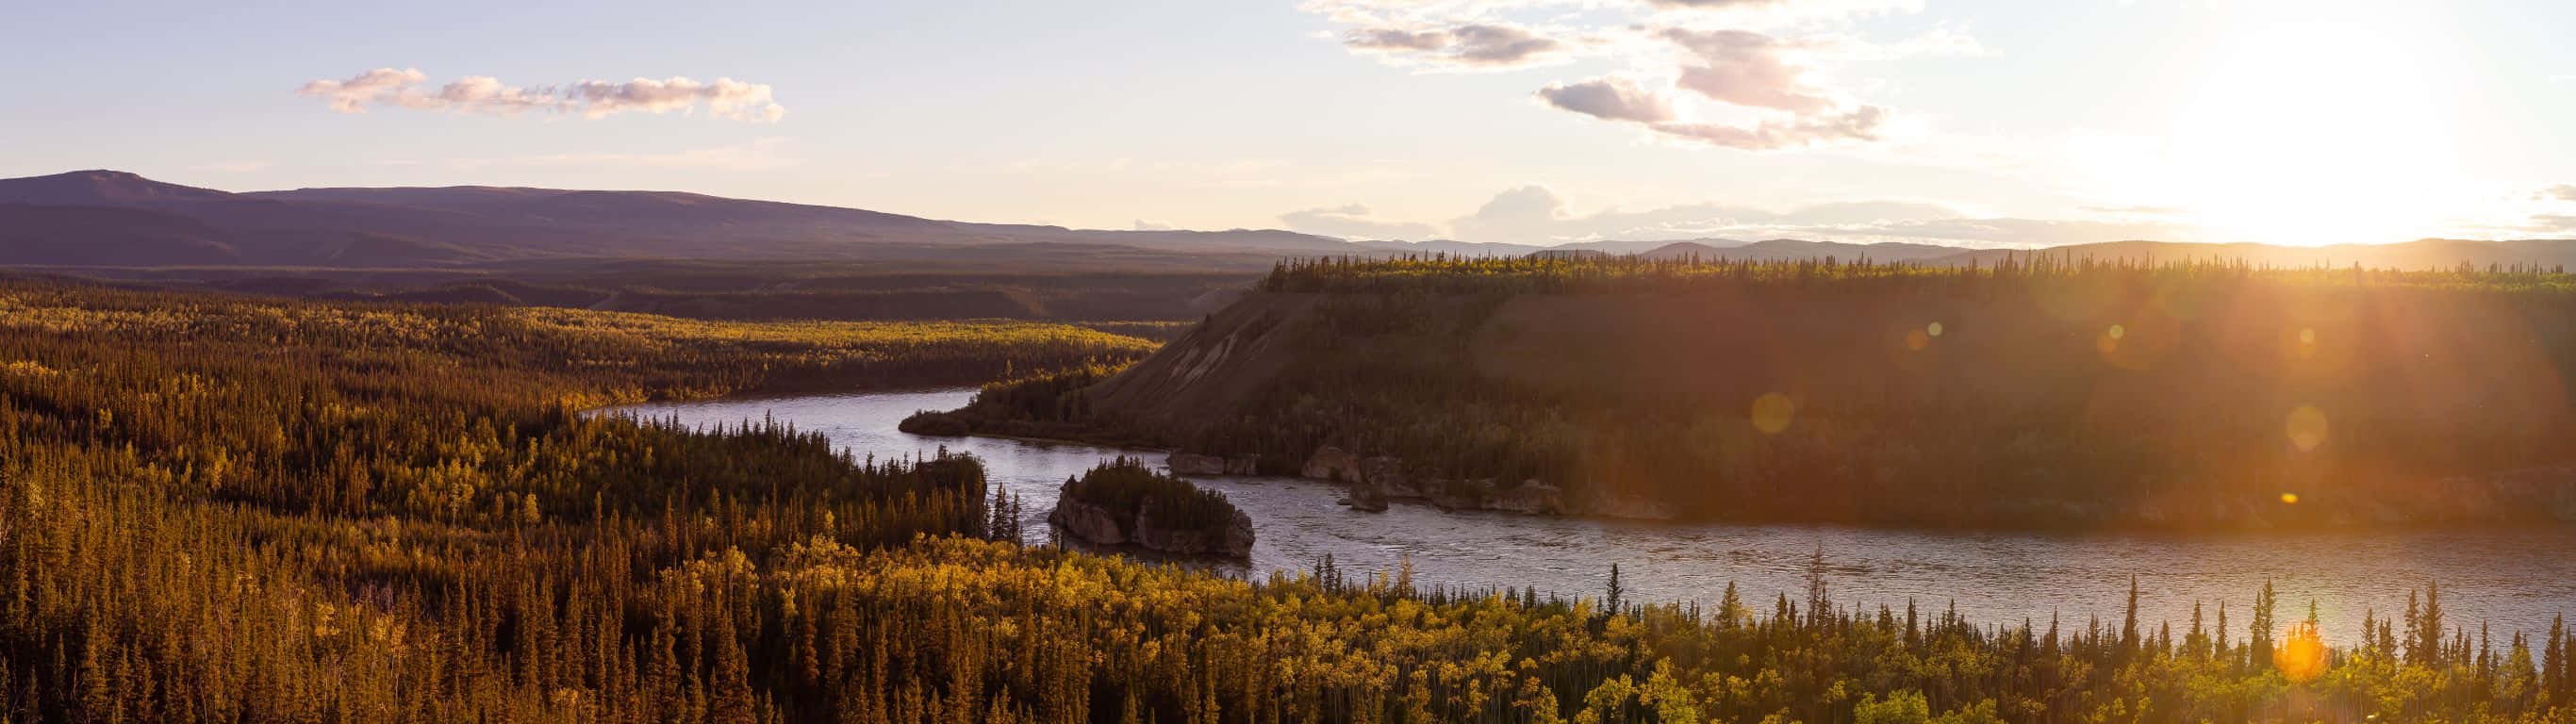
x: 1917, y: 339
x: 2302, y: 656
x: 2289, y: 498
x: 2307, y: 428
x: 1772, y: 412
x: 1933, y: 329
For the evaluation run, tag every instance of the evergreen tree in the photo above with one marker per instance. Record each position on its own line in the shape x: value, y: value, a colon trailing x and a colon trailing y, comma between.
x: 2258, y: 641
x: 2554, y: 665
x: 2431, y: 646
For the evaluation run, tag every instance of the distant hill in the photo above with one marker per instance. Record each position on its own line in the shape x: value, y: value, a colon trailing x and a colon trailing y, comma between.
x: 66, y: 234
x: 481, y: 226
x: 409, y: 227
x: 2418, y: 254
x: 1789, y: 249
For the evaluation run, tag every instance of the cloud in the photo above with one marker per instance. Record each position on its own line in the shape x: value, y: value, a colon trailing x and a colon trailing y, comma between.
x: 1745, y: 74
x: 1720, y: 4
x: 368, y: 88
x: 1354, y: 221
x: 1776, y: 13
x: 486, y: 95
x: 1621, y: 99
x: 1143, y: 225
x: 1535, y: 215
x: 725, y: 97
x: 1613, y: 98
x: 2553, y: 224
x: 1861, y: 124
x: 760, y: 154
x: 1738, y: 68
x: 1468, y: 45
x: 2556, y: 192
x: 1746, y: 68
x: 1397, y: 39
x: 2017, y: 232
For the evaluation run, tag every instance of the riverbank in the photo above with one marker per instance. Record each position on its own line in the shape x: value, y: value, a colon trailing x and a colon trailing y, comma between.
x: 2519, y: 577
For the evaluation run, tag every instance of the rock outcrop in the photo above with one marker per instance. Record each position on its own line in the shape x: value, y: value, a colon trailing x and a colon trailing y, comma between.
x: 1530, y: 497
x: 1192, y: 464
x: 1088, y: 522
x: 1331, y: 463
x: 1127, y: 504
x: 1183, y: 463
x: 1367, y: 497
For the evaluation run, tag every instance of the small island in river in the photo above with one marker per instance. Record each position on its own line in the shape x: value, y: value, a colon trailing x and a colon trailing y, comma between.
x: 1124, y: 502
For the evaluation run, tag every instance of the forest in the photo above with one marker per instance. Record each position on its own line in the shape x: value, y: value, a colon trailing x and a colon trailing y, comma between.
x: 246, y: 509
x: 2039, y: 391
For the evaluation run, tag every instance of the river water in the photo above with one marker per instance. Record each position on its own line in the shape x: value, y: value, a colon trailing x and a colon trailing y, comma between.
x: 2513, y: 579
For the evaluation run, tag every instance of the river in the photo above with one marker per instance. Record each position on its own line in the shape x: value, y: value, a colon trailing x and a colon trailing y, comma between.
x: 2513, y: 579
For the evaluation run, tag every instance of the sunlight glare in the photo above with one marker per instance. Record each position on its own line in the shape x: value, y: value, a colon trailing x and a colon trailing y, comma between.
x: 2302, y: 654
x: 2321, y: 124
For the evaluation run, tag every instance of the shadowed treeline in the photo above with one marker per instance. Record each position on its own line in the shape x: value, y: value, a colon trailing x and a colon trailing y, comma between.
x: 2039, y: 392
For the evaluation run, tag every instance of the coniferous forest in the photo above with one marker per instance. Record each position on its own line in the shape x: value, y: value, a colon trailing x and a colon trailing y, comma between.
x: 2041, y: 391
x: 236, y: 509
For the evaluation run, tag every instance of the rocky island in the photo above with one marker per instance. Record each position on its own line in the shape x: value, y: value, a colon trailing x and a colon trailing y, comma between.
x: 1124, y: 503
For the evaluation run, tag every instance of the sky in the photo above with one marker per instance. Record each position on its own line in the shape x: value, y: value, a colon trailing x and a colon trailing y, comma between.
x: 1968, y: 122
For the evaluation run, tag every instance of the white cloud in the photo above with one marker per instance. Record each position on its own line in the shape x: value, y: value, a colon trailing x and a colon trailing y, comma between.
x: 1536, y: 216
x: 382, y: 87
x: 1746, y: 68
x: 1355, y: 222
x: 1613, y: 98
x: 1463, y: 46
x: 1859, y: 124
x: 369, y: 88
x: 1744, y: 74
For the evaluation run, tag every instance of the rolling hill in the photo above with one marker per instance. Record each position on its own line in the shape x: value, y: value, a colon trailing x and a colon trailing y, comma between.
x: 132, y: 221
x: 407, y: 227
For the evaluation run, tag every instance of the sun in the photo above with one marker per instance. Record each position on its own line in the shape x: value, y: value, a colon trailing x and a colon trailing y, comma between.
x: 2318, y: 125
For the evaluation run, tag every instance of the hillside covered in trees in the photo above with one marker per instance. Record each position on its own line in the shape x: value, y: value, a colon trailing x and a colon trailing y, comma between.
x: 218, y: 509
x: 2038, y: 392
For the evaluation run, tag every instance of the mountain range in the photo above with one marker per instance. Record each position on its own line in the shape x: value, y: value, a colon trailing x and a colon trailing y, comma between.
x: 115, y: 218
x: 102, y: 218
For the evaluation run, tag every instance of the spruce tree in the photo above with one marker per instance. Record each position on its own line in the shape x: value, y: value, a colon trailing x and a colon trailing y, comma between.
x: 2129, y: 622
x: 2415, y: 651
x: 2432, y: 624
x: 2553, y: 667
x: 1611, y: 603
x: 2258, y: 643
